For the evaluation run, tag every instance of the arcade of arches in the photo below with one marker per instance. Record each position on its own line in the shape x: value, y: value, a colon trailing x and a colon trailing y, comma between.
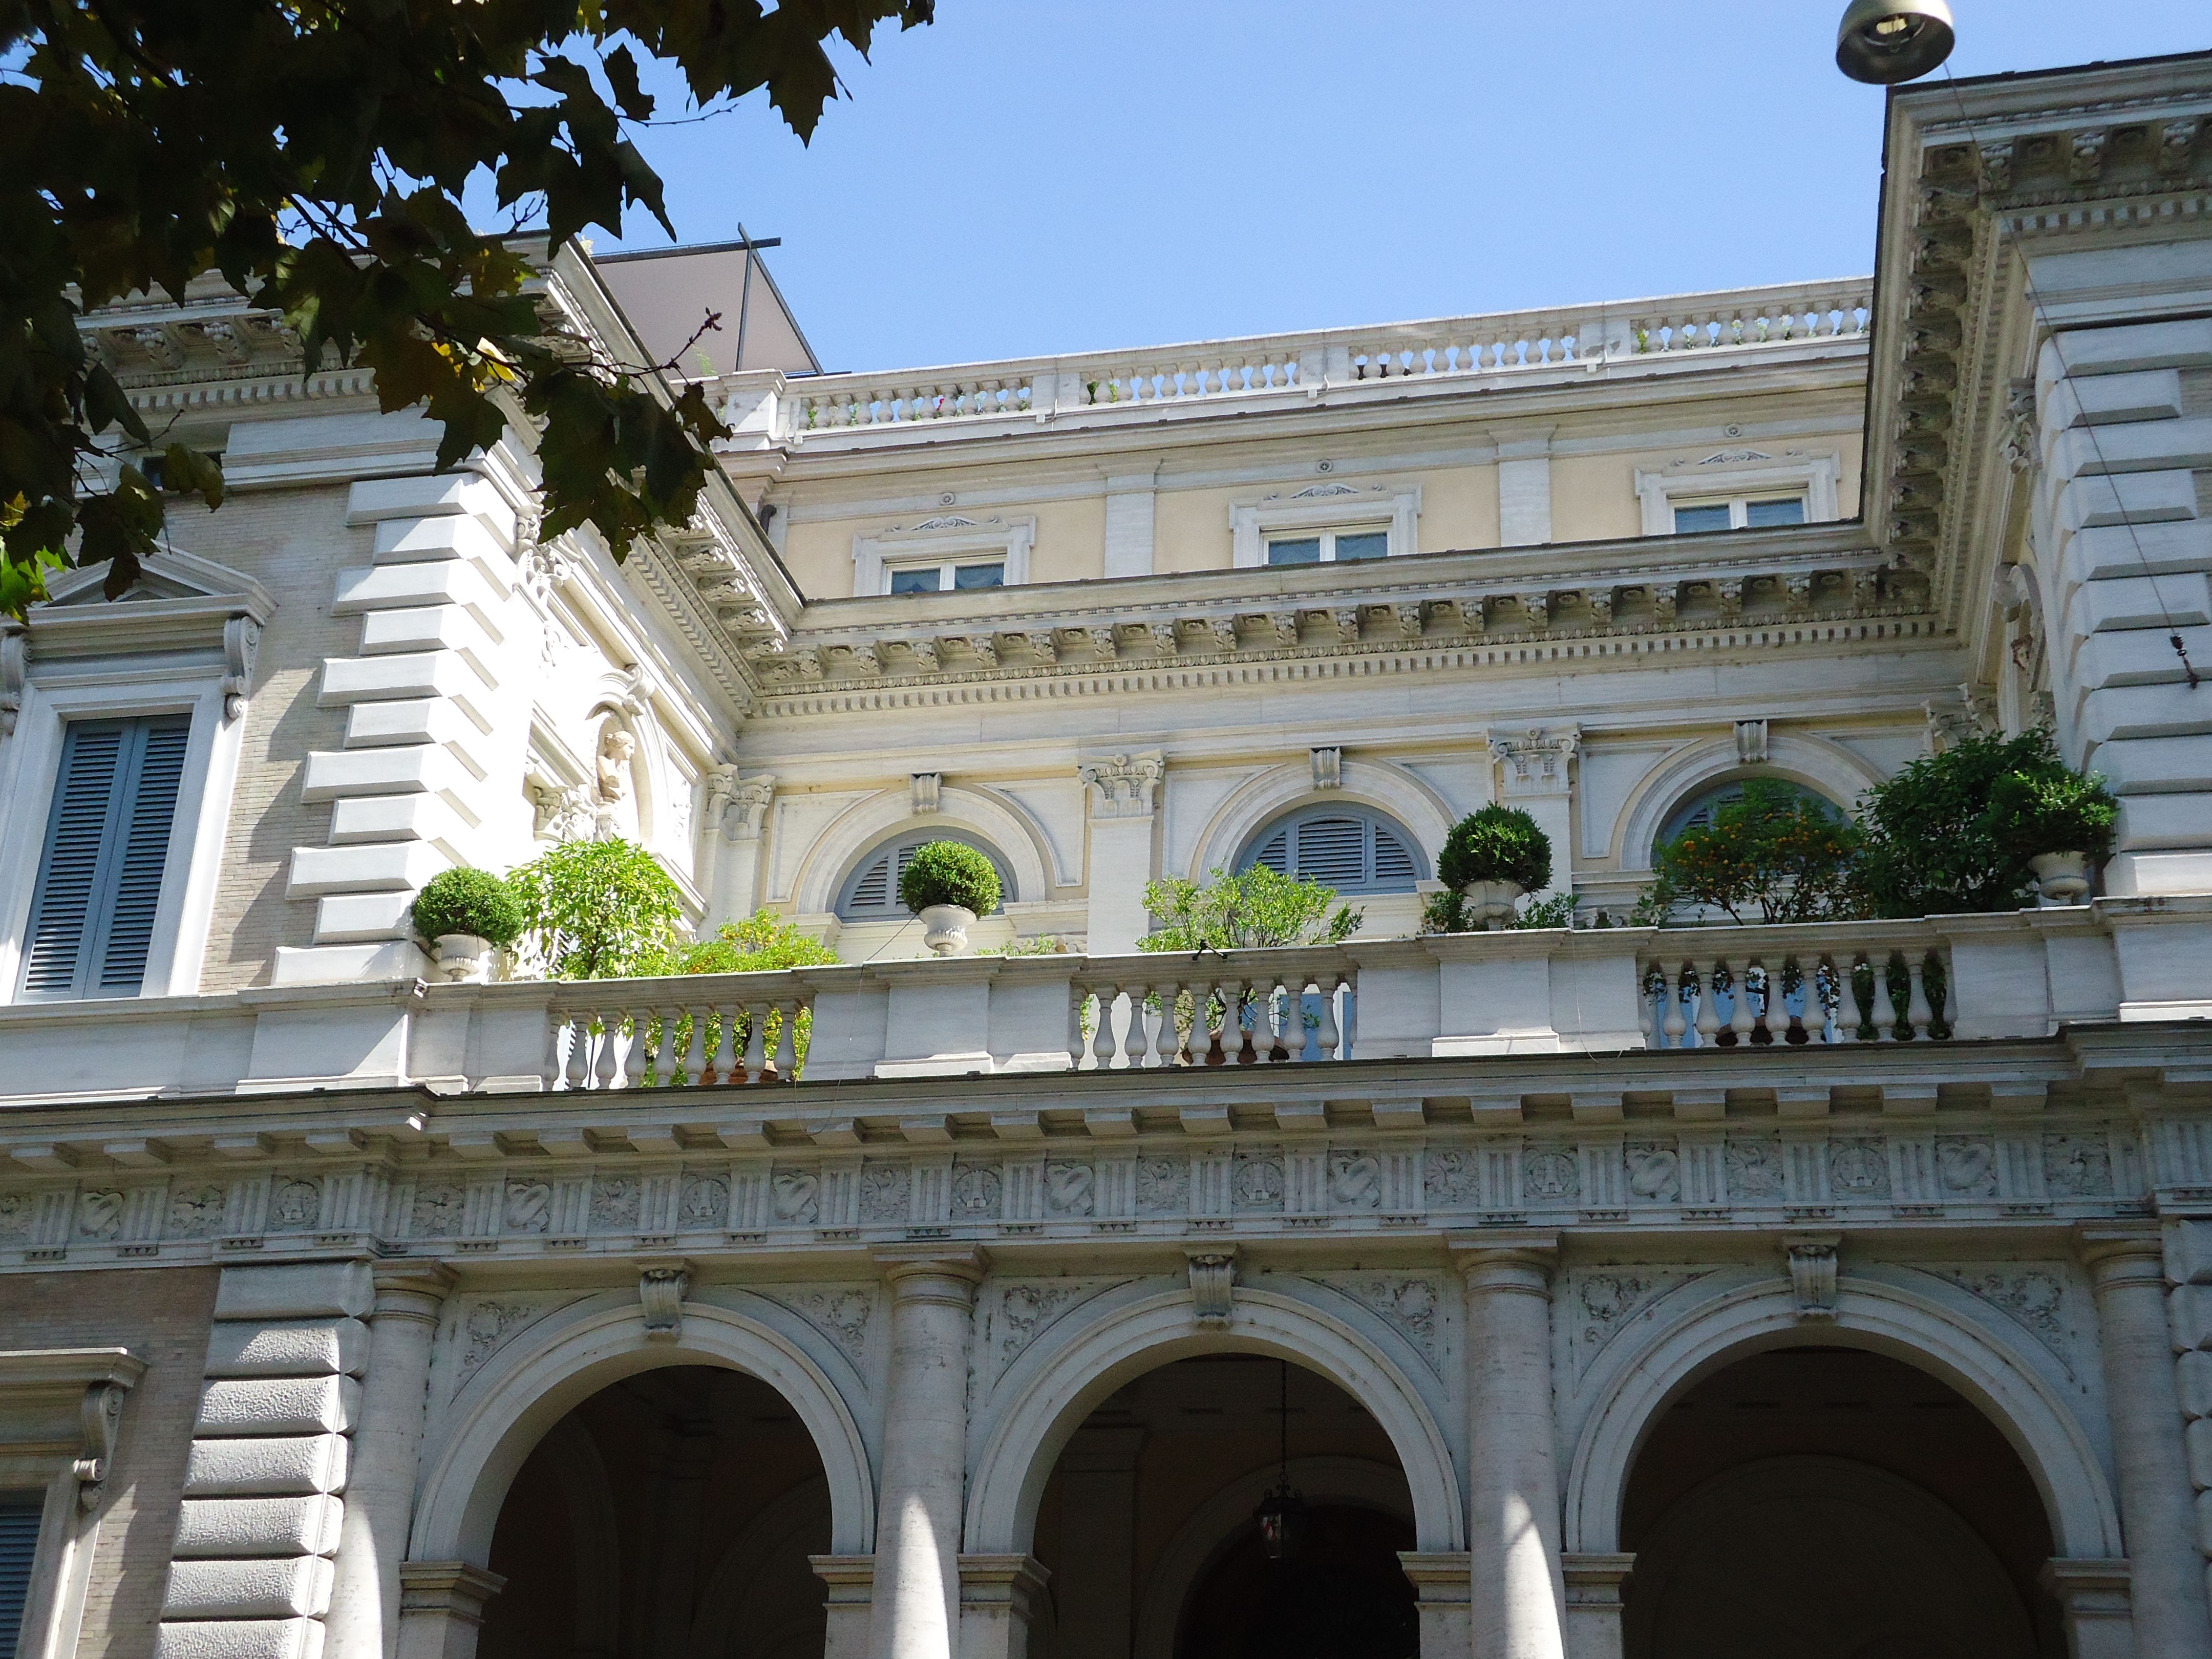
x: 1815, y: 1501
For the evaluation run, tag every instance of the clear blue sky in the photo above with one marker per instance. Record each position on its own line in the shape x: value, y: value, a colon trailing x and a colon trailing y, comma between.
x: 1034, y: 176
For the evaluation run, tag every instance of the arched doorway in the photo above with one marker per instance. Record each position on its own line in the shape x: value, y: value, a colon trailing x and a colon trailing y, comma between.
x: 1827, y: 1502
x: 1147, y: 1521
x: 668, y: 1515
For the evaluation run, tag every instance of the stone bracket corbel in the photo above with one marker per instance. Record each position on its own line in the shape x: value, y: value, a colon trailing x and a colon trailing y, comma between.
x: 663, y: 1282
x: 1213, y: 1287
x: 242, y: 643
x: 102, y: 1416
x: 1813, y: 1274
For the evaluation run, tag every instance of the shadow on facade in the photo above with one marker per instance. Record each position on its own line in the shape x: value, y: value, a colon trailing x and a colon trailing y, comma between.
x: 670, y: 1514
x: 1146, y: 1523
x: 1826, y: 1502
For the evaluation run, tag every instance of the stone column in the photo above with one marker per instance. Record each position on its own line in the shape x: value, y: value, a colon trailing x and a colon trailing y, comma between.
x: 1593, y: 1587
x: 1517, y: 1603
x: 379, y: 1500
x: 1000, y: 1596
x: 917, y: 1581
x: 2127, y: 1265
x: 442, y: 1606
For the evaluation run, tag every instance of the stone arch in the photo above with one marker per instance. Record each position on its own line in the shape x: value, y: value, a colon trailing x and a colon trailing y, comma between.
x: 2003, y: 1381
x: 1391, y: 790
x: 508, y: 1408
x: 1828, y: 768
x: 1200, y: 1542
x: 745, y: 1563
x: 1053, y: 1388
x: 854, y: 833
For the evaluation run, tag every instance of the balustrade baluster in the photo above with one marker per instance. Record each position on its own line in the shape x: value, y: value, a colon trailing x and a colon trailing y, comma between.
x: 787, y: 1041
x: 1885, y: 1008
x: 1077, y: 1046
x: 1708, y: 1004
x: 664, y: 1059
x: 1330, y: 1036
x: 550, y: 1069
x: 1917, y: 1014
x: 634, y: 1062
x: 1266, y: 994
x: 1102, y: 1036
x: 695, y: 1053
x: 1676, y: 1026
x: 1816, y: 1005
x: 1741, y: 1023
x: 725, y: 1046
x: 608, y: 1063
x: 756, y: 1061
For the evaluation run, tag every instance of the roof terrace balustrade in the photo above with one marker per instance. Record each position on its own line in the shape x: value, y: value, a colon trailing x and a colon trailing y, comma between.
x: 1259, y: 371
x: 1690, y: 993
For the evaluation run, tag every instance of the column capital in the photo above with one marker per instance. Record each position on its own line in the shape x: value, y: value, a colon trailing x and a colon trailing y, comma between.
x: 1001, y: 1577
x: 1511, y: 1259
x: 410, y: 1290
x: 1437, y: 1576
x: 2122, y: 1252
x: 452, y: 1588
x: 1595, y: 1580
x: 926, y: 1272
x: 850, y: 1577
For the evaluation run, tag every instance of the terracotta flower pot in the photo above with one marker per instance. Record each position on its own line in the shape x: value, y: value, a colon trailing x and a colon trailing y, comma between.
x: 464, y: 959
x: 945, y: 928
x: 1489, y: 904
x: 2062, y: 877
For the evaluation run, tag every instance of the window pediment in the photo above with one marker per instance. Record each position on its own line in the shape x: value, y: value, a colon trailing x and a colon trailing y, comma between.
x: 1332, y: 506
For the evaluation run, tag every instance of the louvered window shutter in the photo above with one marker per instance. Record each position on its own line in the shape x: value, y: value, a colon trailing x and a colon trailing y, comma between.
x: 19, y: 1548
x: 108, y: 846
x: 1332, y: 851
x: 873, y: 890
x: 1394, y: 862
x: 1276, y: 854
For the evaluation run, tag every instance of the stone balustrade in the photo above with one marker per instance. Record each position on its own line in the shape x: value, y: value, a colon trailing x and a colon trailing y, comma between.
x: 1294, y: 368
x: 1951, y: 980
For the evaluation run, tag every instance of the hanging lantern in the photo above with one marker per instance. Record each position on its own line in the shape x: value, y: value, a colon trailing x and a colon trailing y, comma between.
x: 1886, y: 41
x: 1281, y: 1516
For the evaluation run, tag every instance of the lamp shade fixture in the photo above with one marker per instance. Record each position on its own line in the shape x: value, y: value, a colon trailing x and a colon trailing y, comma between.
x: 1883, y: 42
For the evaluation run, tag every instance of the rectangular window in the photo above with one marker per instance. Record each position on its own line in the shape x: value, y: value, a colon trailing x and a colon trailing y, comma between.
x: 1742, y: 514
x: 106, y: 848
x: 19, y: 1551
x: 1330, y: 547
x: 947, y: 576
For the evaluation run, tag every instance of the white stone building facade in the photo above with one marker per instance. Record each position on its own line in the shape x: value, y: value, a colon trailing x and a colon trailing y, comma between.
x: 349, y: 1313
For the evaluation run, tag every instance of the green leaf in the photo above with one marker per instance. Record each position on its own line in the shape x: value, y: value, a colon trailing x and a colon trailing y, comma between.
x: 630, y: 98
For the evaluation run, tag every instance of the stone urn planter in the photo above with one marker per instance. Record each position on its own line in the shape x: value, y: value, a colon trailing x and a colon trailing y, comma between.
x: 945, y: 927
x: 464, y: 959
x: 2062, y: 877
x: 1489, y: 904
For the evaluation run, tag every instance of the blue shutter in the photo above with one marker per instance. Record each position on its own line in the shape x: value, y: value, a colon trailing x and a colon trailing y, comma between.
x: 1333, y: 851
x: 142, y: 857
x: 1394, y: 862
x: 1276, y: 854
x: 18, y: 1548
x: 108, y: 846
x: 873, y: 890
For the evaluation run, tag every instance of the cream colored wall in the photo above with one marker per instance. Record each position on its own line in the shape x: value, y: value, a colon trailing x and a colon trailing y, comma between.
x: 1190, y: 528
x: 1458, y: 509
x: 1070, y: 539
x: 1594, y: 497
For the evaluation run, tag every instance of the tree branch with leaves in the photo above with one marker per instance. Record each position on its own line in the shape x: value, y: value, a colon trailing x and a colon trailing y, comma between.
x: 318, y: 156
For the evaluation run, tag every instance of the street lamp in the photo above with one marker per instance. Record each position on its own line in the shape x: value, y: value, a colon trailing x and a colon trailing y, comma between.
x: 1884, y: 41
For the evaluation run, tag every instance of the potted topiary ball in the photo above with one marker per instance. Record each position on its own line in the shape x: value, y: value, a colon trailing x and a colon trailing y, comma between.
x: 2059, y: 822
x: 1492, y: 858
x: 948, y: 884
x: 466, y: 915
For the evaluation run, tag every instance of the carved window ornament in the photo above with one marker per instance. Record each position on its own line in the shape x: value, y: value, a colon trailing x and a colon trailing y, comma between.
x: 1212, y: 1287
x: 1327, y: 768
x: 1735, y: 477
x: 1535, y: 761
x: 1323, y: 511
x: 923, y: 790
x: 944, y: 543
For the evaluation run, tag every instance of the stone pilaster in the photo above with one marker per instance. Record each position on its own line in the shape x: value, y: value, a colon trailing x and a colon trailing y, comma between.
x: 1594, y: 1586
x: 1123, y: 789
x: 1516, y: 1602
x: 2126, y: 1263
x: 442, y: 1606
x: 364, y: 1616
x: 916, y: 1610
x: 1440, y: 1593
x: 1000, y: 1596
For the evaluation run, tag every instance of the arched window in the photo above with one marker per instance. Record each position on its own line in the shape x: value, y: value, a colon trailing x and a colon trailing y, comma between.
x: 871, y: 892
x: 1696, y: 812
x: 1348, y: 848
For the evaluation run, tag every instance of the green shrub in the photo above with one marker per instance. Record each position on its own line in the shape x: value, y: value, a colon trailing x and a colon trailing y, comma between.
x: 467, y: 901
x: 1499, y: 843
x: 762, y: 942
x: 1250, y: 910
x: 1779, y: 853
x: 949, y: 872
x: 1446, y: 913
x: 2052, y: 811
x: 600, y: 910
x: 1933, y: 845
